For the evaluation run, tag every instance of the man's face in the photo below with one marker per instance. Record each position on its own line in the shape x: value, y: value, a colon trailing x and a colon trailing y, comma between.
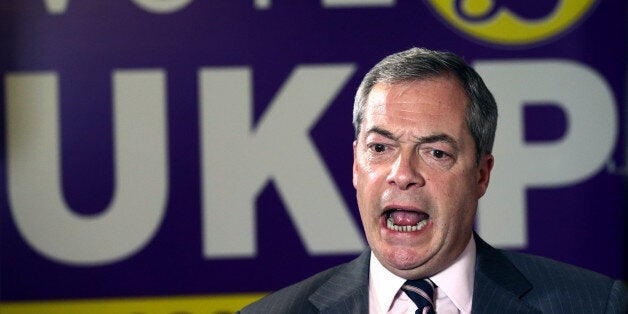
x: 416, y: 177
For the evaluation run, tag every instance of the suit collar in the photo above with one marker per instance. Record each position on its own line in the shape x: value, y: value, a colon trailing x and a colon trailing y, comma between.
x: 347, y: 290
x: 499, y: 286
x: 498, y: 283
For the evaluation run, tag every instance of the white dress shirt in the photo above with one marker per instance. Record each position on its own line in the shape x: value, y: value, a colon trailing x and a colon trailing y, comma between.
x: 454, y: 292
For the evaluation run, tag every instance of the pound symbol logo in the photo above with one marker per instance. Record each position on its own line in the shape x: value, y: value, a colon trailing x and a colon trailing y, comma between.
x: 511, y: 22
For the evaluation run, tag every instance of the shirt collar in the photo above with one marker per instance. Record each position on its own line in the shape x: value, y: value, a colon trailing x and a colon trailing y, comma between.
x: 383, y: 284
x: 455, y: 282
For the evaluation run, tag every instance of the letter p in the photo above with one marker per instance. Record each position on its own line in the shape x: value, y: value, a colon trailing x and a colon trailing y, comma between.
x: 589, y: 107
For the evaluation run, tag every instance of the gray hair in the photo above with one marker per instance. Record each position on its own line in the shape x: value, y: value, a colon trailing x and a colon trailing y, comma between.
x: 420, y: 64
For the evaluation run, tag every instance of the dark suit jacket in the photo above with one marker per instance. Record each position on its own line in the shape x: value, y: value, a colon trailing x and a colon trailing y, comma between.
x: 505, y: 282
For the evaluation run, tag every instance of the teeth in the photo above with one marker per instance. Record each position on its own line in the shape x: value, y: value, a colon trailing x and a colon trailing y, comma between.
x: 390, y: 224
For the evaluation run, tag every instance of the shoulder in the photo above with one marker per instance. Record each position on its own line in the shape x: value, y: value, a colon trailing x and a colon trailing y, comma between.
x: 569, y: 286
x: 533, y: 282
x: 554, y: 273
x: 296, y: 298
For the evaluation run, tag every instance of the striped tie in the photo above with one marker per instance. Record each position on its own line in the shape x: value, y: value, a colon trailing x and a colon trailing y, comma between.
x: 421, y: 292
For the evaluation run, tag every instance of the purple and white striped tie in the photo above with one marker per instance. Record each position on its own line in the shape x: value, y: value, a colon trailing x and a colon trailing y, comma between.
x: 421, y: 292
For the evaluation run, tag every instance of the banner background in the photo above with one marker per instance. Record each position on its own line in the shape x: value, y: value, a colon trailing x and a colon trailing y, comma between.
x: 84, y: 43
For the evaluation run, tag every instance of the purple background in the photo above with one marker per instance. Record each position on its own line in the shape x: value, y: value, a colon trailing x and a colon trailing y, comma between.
x: 92, y: 38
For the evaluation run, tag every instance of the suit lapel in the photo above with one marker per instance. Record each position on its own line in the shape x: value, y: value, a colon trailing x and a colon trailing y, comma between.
x: 499, y: 285
x: 346, y: 291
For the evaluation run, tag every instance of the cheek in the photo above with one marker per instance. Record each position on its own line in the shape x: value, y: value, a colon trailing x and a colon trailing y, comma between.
x: 367, y: 177
x: 366, y: 168
x: 452, y: 182
x: 451, y: 192
x: 458, y: 203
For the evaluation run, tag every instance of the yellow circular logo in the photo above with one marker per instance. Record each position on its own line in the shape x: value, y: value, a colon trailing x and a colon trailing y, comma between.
x: 495, y: 21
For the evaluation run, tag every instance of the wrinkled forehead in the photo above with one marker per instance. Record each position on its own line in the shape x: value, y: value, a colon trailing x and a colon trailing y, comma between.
x: 442, y: 92
x: 451, y: 78
x: 426, y: 104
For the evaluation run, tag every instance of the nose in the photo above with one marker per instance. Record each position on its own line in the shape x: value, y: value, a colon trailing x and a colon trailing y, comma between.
x: 404, y: 172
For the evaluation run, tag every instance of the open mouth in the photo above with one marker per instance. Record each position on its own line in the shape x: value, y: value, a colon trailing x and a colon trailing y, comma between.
x: 405, y: 221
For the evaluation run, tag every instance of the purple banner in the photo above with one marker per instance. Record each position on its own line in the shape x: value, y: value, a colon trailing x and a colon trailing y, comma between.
x: 179, y: 147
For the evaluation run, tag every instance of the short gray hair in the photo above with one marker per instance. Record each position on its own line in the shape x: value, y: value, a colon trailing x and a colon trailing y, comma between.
x: 420, y: 64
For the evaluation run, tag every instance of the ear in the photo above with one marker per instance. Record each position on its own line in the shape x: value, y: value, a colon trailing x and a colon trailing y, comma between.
x: 484, y: 174
x: 355, y: 164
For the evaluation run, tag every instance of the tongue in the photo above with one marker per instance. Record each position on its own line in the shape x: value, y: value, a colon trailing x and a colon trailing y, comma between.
x: 407, y: 218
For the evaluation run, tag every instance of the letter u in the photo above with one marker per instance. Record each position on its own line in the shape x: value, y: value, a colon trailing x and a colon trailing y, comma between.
x: 36, y: 199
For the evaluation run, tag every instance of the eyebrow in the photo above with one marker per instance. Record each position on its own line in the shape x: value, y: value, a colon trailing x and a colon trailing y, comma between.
x: 436, y: 138
x: 382, y: 132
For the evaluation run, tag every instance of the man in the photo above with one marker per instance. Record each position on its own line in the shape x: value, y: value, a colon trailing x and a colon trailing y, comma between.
x: 425, y: 124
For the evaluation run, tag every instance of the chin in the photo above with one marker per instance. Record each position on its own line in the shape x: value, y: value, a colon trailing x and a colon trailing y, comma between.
x: 404, y: 259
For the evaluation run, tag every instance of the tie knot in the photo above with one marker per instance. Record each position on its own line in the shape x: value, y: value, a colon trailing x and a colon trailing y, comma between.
x: 421, y: 292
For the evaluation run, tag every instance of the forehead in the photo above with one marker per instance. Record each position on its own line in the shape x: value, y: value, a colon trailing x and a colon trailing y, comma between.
x: 428, y: 101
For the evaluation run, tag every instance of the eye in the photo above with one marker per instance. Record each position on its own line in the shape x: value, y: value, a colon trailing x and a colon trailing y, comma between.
x: 439, y: 154
x: 441, y: 159
x: 379, y: 147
